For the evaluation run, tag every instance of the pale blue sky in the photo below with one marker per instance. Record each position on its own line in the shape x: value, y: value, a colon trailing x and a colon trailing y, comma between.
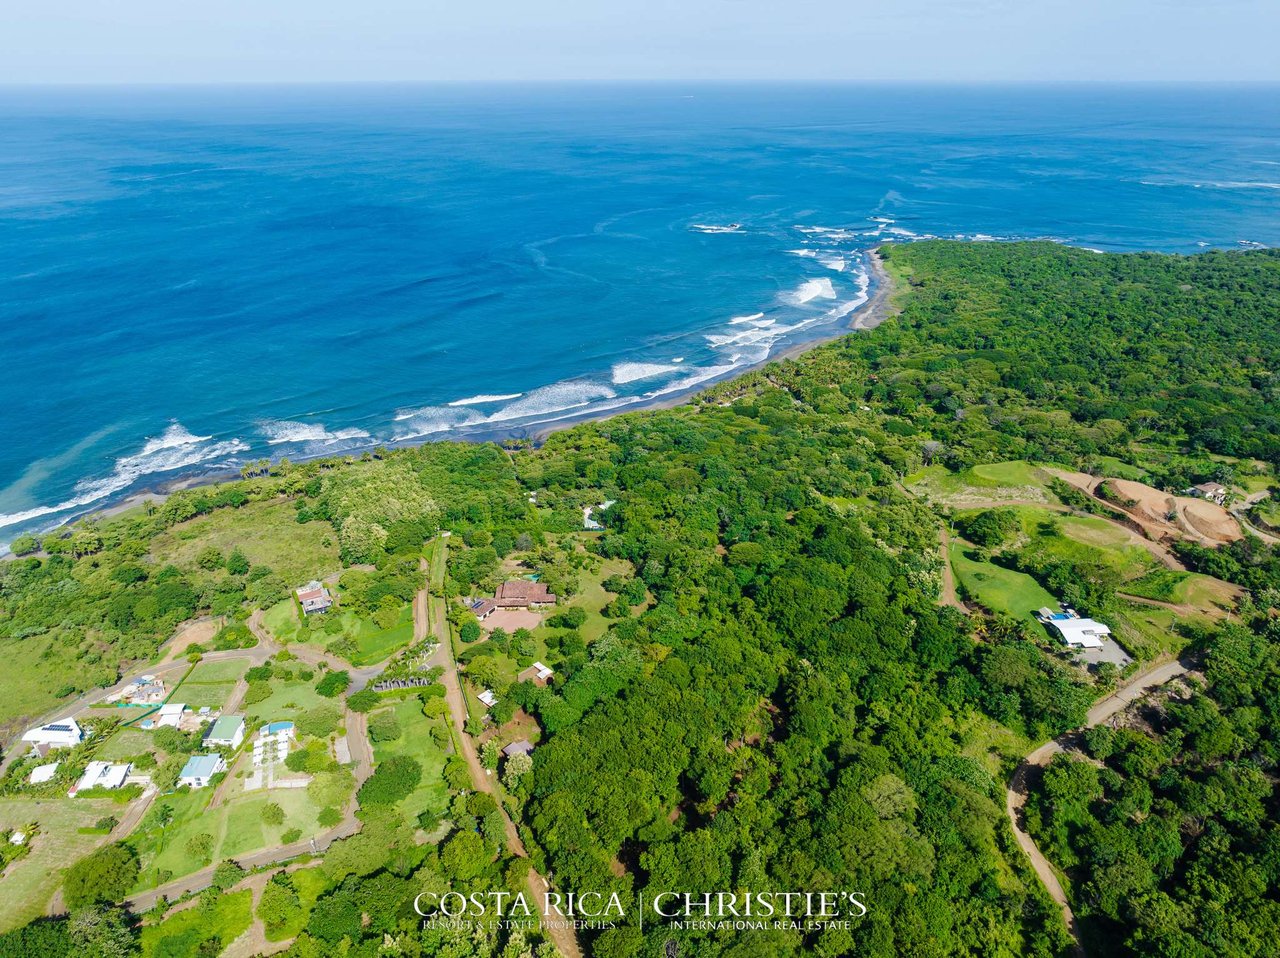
x: 926, y: 40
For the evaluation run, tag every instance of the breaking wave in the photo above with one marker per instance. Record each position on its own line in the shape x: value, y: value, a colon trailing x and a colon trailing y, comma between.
x: 810, y: 290
x: 485, y: 398
x: 557, y: 397
x: 286, y: 430
x: 176, y: 448
x: 631, y: 372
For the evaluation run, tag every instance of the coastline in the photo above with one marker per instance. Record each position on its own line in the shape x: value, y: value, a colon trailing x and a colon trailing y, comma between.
x: 866, y: 317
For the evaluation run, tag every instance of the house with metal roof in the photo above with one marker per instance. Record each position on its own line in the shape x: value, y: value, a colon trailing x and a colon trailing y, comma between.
x: 64, y: 733
x: 227, y: 731
x: 102, y: 775
x: 200, y: 769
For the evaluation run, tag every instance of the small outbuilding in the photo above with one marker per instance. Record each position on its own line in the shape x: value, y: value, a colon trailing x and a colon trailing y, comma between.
x: 522, y: 747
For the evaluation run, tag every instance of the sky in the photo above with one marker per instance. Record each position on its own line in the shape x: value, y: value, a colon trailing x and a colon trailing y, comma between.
x: 255, y: 41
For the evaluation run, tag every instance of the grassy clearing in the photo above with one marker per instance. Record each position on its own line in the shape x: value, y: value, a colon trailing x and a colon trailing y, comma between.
x: 181, y: 934
x: 267, y: 532
x: 416, y: 741
x: 288, y: 700
x: 124, y: 744
x: 373, y: 644
x: 225, y: 670
x: 29, y: 883
x: 1148, y: 631
x: 1086, y: 539
x: 991, y: 482
x: 32, y: 680
x: 196, y: 695
x: 997, y: 588
x: 235, y: 828
x: 1111, y: 466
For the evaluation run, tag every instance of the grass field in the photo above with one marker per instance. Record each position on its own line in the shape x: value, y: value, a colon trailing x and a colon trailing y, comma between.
x: 225, y: 670
x: 28, y: 884
x: 991, y: 482
x: 288, y: 700
x: 267, y: 532
x: 126, y: 743
x: 236, y: 827
x: 181, y: 934
x: 416, y: 741
x: 997, y: 588
x: 1112, y: 466
x: 31, y: 679
x: 1086, y: 539
x: 1147, y: 631
x: 372, y: 643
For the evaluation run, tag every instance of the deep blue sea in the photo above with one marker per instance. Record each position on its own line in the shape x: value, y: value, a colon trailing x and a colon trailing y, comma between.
x: 190, y: 278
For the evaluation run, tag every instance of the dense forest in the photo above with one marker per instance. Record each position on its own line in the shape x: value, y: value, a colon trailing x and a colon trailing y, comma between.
x: 793, y: 708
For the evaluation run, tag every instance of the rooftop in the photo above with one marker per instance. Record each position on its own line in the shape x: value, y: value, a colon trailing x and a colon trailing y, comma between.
x: 201, y: 766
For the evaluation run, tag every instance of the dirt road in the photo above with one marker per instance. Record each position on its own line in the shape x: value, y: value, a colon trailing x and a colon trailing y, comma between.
x: 429, y: 615
x: 1016, y: 793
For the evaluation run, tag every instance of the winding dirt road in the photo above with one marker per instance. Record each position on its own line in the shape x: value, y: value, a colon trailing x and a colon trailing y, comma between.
x: 1016, y: 793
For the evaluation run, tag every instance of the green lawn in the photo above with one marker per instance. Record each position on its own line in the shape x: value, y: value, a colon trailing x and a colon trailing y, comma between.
x: 988, y: 482
x: 235, y: 826
x: 288, y: 700
x: 29, y: 883
x: 998, y: 588
x: 225, y: 670
x: 195, y: 695
x: 1087, y: 539
x: 372, y: 643
x: 1120, y: 469
x: 282, y: 621
x: 416, y: 741
x: 181, y: 934
x: 267, y: 532
x: 125, y: 743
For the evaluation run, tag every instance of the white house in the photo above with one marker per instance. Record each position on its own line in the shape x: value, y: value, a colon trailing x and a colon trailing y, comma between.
x: 102, y: 775
x: 273, y: 742
x: 1213, y: 491
x: 1080, y: 633
x: 200, y: 769
x: 170, y: 714
x: 64, y: 733
x: 228, y: 731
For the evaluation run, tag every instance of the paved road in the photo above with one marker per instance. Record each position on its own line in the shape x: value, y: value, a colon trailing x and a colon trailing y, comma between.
x: 1016, y: 793
x: 434, y: 608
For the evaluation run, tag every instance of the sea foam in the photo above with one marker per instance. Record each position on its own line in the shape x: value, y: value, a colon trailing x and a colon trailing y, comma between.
x: 176, y: 448
x: 631, y: 372
x: 810, y: 290
x: 287, y: 430
x: 485, y: 398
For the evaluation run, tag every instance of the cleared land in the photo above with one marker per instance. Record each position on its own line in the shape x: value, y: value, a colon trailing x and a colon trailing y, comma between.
x: 28, y: 884
x: 268, y: 533
x: 415, y: 741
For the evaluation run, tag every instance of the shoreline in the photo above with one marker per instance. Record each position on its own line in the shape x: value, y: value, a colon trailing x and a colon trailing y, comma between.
x: 865, y: 318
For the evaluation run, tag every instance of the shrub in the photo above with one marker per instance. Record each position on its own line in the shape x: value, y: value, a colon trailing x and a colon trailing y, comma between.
x: 107, y: 875
x: 384, y: 727
x: 333, y: 684
x: 363, y: 701
x: 393, y: 780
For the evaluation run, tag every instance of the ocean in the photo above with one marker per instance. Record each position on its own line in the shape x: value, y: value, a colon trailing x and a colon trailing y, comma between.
x: 192, y: 278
